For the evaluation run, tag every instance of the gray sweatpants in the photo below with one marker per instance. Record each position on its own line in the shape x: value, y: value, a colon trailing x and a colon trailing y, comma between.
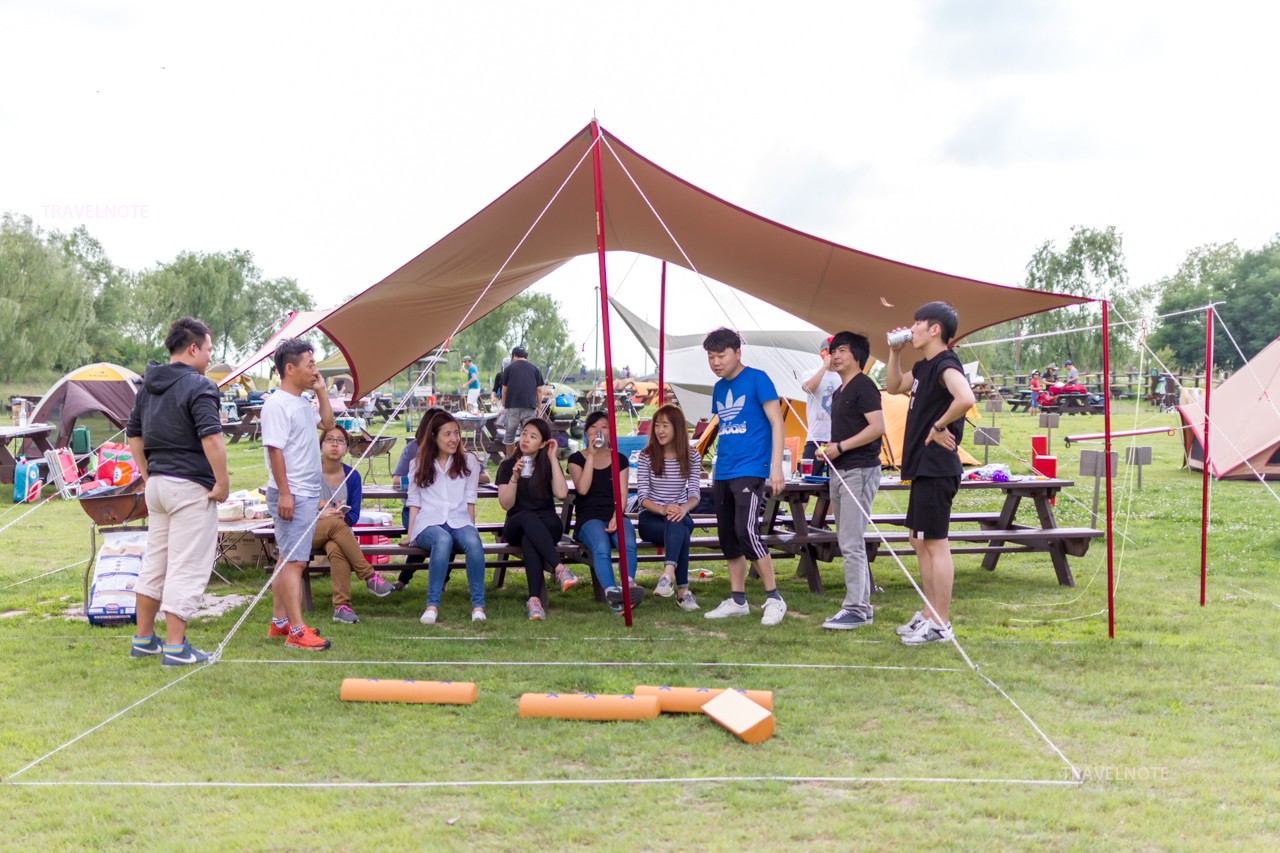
x: 850, y: 512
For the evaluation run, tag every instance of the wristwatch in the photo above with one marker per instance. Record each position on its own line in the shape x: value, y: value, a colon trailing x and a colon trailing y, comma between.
x: 937, y: 428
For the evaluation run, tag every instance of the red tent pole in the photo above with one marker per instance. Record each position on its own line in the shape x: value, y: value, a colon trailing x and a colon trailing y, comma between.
x: 618, y: 505
x: 1204, y: 486
x: 1106, y: 465
x: 662, y: 332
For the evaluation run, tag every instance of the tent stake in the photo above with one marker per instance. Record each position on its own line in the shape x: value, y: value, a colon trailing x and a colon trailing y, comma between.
x: 1106, y: 456
x: 619, y: 519
x: 1204, y: 487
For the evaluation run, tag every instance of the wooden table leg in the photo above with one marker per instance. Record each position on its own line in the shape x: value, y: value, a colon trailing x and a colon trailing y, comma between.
x: 1007, y: 514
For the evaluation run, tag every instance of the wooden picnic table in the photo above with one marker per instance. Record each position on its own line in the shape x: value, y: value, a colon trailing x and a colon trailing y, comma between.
x: 248, y: 425
x: 37, y: 434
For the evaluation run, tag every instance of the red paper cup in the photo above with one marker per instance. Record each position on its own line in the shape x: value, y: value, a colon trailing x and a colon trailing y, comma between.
x: 806, y: 467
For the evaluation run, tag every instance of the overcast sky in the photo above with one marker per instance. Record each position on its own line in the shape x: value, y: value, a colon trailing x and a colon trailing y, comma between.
x: 337, y: 141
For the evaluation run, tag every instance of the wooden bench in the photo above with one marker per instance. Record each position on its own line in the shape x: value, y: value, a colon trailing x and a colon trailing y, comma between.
x: 1073, y: 404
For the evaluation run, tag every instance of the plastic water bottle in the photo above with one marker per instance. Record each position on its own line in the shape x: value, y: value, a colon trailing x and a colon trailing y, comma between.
x: 786, y: 462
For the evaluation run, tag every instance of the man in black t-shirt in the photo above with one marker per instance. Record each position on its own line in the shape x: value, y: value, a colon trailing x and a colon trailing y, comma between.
x: 940, y: 395
x: 521, y: 393
x: 857, y: 423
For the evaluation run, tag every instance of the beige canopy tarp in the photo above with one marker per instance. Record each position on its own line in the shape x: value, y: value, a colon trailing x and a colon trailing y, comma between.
x: 548, y: 218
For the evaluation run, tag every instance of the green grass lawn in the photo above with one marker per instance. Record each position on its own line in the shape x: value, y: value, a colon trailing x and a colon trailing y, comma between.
x: 1171, y: 724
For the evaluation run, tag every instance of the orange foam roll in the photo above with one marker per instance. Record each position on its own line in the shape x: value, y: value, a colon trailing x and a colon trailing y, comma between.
x: 689, y: 700
x: 741, y: 716
x: 430, y: 692
x: 588, y: 706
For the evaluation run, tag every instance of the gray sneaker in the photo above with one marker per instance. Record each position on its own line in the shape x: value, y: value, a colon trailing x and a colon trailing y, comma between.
x: 665, y: 588
x: 845, y: 620
x: 613, y: 595
x: 146, y: 650
x: 687, y: 602
x: 343, y: 613
x: 379, y: 586
x: 188, y: 656
x: 911, y: 625
x: 928, y: 633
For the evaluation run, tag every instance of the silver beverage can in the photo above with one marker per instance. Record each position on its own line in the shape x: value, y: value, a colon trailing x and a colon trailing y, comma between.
x: 900, y: 336
x: 527, y: 470
x: 600, y: 440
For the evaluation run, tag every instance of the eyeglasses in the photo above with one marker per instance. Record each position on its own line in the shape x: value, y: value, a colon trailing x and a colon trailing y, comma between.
x: 341, y: 441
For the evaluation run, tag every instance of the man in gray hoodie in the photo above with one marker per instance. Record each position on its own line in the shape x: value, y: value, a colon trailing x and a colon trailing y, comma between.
x: 175, y: 433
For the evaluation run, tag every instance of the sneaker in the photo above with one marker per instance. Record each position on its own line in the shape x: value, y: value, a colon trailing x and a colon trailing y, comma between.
x: 567, y: 579
x: 688, y: 602
x: 306, y: 639
x: 278, y: 630
x: 379, y: 586
x: 146, y: 650
x: 429, y: 615
x: 665, y: 588
x: 613, y: 595
x: 534, y: 606
x: 477, y: 615
x: 774, y: 610
x: 343, y: 613
x: 912, y: 625
x: 846, y: 620
x: 398, y: 586
x: 186, y: 657
x: 928, y: 633
x: 728, y: 608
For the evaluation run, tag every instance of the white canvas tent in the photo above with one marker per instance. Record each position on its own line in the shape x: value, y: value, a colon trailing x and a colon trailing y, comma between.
x: 1244, y: 431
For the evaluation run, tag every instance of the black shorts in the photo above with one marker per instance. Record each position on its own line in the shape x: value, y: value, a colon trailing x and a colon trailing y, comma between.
x: 929, y: 506
x: 738, y: 517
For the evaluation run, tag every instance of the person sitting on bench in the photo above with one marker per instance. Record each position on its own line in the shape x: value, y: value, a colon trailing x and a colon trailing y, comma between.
x: 667, y: 485
x: 597, y: 528
x: 528, y: 484
x: 340, y: 493
x: 443, y: 483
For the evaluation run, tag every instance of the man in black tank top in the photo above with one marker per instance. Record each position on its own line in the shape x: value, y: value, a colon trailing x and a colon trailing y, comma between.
x: 940, y: 396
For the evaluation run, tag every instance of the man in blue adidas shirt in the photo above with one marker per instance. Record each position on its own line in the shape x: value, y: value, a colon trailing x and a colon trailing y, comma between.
x: 748, y: 451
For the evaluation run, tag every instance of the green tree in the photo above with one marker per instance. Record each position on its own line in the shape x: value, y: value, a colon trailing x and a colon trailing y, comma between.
x: 225, y: 290
x: 1204, y: 276
x: 531, y: 320
x: 46, y: 302
x: 1252, y: 309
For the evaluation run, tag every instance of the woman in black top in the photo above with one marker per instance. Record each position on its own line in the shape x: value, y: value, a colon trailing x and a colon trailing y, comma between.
x: 596, y: 527
x: 529, y: 499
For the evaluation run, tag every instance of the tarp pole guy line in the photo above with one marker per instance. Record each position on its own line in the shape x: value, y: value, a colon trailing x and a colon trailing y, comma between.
x: 1255, y: 595
x: 45, y: 575
x: 1074, y: 782
x: 628, y: 664
x: 1093, y: 328
x: 198, y: 668
x: 434, y: 359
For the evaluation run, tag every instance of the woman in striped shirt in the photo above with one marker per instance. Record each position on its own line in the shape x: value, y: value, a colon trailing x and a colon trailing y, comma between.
x: 667, y: 475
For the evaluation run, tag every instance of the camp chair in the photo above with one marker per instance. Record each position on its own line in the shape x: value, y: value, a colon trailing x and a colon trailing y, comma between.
x: 64, y: 474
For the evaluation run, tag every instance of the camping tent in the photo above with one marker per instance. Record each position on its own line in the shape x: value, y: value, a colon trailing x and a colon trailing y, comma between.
x: 548, y: 218
x: 102, y: 387
x: 1244, y: 432
x: 789, y: 357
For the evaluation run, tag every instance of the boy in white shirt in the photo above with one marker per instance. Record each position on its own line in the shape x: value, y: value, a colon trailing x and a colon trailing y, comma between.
x: 294, y: 473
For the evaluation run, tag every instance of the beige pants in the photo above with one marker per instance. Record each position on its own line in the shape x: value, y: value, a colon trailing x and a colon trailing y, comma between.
x: 182, y: 536
x: 343, y: 551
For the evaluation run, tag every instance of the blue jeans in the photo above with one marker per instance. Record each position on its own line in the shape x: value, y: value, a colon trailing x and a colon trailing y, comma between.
x: 673, y: 536
x: 601, y: 546
x: 441, y: 540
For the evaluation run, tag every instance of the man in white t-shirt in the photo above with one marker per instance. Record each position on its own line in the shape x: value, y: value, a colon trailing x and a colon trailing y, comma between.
x: 819, y: 387
x: 291, y: 446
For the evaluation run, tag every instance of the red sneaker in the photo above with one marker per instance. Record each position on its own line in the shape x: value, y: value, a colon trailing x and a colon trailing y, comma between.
x: 282, y: 631
x: 306, y: 639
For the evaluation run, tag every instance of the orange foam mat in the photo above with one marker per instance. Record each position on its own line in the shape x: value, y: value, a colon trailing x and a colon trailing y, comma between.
x: 588, y: 706
x: 689, y: 700
x: 430, y: 692
x: 741, y: 716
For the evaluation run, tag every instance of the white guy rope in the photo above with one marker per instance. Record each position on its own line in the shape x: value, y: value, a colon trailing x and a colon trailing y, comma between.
x: 45, y: 575
x: 521, y: 663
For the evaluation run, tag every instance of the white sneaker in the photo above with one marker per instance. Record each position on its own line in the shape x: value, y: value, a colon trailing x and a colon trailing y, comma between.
x: 428, y: 616
x: 912, y: 625
x: 665, y: 588
x: 477, y: 615
x: 928, y: 633
x: 728, y: 608
x: 774, y: 610
x: 688, y: 603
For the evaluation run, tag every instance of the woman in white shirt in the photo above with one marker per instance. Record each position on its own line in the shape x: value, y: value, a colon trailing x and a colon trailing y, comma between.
x: 443, y: 480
